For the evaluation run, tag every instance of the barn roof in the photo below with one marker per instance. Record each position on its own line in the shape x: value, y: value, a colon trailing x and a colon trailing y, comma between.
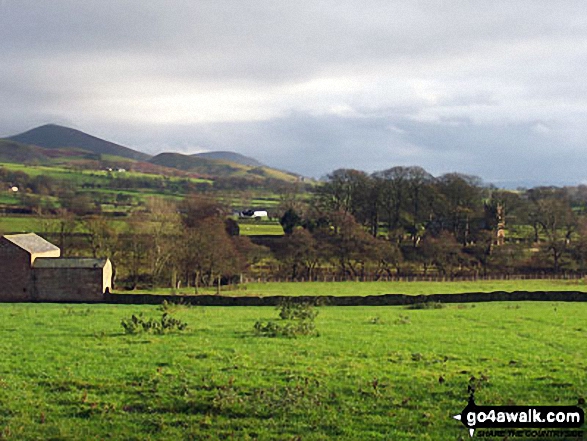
x: 69, y: 262
x: 31, y: 242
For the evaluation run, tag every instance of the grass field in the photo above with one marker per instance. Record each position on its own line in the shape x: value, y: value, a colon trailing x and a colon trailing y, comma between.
x: 260, y: 228
x: 68, y: 371
x: 378, y: 288
x: 28, y: 224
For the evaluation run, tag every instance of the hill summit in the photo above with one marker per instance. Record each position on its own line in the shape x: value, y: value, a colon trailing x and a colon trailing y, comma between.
x: 52, y: 136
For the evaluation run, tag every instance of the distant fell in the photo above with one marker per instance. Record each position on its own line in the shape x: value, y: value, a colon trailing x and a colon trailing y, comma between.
x: 52, y: 136
x: 237, y: 158
x: 218, y: 168
x: 12, y: 151
x: 193, y: 163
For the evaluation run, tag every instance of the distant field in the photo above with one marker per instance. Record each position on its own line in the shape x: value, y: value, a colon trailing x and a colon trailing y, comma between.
x: 24, y: 224
x: 260, y: 228
x: 410, y: 288
x: 379, y: 288
x: 30, y: 224
x: 374, y: 373
x: 103, y: 175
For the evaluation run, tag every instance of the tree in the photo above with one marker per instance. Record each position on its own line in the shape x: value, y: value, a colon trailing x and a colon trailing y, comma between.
x: 343, y: 191
x: 101, y: 236
x: 290, y: 220
x: 205, y: 252
x: 348, y: 244
x: 444, y: 252
x: 557, y: 222
x: 63, y: 225
x: 393, y: 195
x: 298, y: 254
x: 461, y: 206
x: 162, y: 227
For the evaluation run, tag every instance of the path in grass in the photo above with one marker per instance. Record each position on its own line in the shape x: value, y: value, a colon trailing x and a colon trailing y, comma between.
x: 68, y: 372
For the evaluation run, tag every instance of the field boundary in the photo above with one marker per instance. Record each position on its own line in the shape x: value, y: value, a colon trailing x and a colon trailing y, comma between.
x: 375, y: 300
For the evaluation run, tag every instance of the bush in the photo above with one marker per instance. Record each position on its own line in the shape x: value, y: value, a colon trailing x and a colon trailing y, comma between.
x: 289, y: 310
x: 292, y: 329
x: 426, y: 305
x: 297, y: 319
x: 137, y: 324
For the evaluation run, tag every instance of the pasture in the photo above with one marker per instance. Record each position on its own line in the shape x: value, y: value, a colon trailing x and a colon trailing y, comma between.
x: 352, y: 288
x: 69, y: 371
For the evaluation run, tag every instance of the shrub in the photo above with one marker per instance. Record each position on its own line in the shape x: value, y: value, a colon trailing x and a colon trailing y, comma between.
x: 297, y: 319
x: 289, y: 310
x: 292, y: 329
x: 426, y: 305
x: 137, y: 324
x: 173, y: 306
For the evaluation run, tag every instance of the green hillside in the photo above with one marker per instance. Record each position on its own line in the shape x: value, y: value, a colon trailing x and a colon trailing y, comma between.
x: 237, y: 158
x: 218, y: 168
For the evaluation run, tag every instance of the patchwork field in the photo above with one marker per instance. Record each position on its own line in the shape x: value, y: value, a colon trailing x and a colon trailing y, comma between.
x: 69, y: 371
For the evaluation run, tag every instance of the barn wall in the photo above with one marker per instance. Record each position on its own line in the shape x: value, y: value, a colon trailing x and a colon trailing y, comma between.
x: 54, y: 253
x: 15, y: 273
x: 69, y: 284
x: 107, y: 277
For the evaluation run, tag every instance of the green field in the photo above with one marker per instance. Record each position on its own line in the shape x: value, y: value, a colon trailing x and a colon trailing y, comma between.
x: 28, y: 224
x: 410, y: 288
x: 378, y: 288
x: 260, y: 228
x: 382, y: 373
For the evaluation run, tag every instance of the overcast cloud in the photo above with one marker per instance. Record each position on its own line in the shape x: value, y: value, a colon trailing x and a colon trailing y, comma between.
x: 495, y: 89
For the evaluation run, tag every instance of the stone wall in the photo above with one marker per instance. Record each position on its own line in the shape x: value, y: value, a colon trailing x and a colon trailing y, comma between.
x: 68, y: 284
x: 377, y: 300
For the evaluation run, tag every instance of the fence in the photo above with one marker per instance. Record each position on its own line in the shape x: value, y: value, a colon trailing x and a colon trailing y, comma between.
x: 415, y: 278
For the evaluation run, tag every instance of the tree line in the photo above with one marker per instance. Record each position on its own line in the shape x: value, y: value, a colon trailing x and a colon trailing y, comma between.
x: 404, y: 221
x: 398, y: 222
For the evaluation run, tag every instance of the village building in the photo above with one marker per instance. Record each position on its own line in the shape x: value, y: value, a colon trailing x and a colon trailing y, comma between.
x: 31, y: 269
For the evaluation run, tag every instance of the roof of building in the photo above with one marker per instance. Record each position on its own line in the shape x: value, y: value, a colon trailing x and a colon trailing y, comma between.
x: 69, y: 262
x: 31, y: 242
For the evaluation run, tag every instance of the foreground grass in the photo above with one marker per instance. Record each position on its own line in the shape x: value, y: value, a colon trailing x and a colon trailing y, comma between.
x: 68, y: 372
x: 379, y: 288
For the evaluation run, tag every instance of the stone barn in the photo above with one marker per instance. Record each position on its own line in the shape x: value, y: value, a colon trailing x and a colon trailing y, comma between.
x: 31, y: 269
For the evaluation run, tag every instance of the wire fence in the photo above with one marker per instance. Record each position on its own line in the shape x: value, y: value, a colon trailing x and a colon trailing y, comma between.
x: 413, y: 278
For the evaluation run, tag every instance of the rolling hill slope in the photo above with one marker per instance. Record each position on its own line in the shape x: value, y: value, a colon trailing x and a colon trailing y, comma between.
x: 52, y: 136
x: 237, y: 158
x: 52, y: 144
x: 218, y: 168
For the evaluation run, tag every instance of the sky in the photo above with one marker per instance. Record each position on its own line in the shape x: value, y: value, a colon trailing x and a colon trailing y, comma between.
x: 494, y: 89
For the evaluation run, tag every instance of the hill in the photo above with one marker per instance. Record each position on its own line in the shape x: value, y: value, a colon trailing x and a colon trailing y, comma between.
x: 237, y: 158
x: 17, y: 153
x: 217, y: 168
x: 194, y: 164
x: 56, y: 145
x: 52, y: 136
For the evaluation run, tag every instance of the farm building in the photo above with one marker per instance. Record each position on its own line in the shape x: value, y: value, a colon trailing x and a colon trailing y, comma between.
x: 31, y: 269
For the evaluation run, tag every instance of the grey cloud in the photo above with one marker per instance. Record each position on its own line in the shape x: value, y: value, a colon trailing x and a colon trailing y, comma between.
x: 447, y: 85
x: 316, y: 146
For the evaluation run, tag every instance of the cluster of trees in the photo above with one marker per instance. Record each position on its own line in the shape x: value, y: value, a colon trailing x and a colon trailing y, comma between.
x: 407, y: 221
x: 193, y: 243
x: 401, y: 221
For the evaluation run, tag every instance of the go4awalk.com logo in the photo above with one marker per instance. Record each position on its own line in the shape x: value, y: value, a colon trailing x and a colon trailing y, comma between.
x: 522, y: 421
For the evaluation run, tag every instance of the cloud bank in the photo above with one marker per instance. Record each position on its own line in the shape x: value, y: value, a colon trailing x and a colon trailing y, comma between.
x: 494, y: 88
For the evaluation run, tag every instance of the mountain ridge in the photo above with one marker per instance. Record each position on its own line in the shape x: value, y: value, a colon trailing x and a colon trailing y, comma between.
x: 46, y: 143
